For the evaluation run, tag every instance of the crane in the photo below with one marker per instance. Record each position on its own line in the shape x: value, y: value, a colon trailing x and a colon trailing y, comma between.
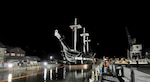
x: 131, y: 42
x: 134, y: 48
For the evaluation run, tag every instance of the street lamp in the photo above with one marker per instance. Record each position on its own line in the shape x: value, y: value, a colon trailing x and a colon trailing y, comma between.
x: 51, y: 57
x: 45, y: 63
x: 10, y: 66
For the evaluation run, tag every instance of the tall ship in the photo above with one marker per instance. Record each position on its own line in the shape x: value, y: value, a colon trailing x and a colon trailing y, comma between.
x: 74, y: 56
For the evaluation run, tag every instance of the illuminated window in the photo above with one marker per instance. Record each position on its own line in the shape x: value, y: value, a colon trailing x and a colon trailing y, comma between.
x: 5, y: 51
x: 7, y: 54
x: 18, y: 54
x: 12, y: 54
x: 22, y: 54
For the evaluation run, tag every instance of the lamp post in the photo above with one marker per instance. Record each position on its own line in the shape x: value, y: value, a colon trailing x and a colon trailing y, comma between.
x: 51, y: 57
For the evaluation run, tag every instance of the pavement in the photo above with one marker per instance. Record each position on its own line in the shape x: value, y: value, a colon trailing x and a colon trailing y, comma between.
x: 4, y: 69
x: 110, y: 78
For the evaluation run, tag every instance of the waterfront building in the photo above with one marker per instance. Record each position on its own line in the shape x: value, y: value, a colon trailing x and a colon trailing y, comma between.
x: 14, y: 54
x: 2, y: 52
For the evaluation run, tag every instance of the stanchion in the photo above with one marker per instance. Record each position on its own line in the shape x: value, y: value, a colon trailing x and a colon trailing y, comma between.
x: 100, y: 76
x: 132, y: 76
x: 92, y: 77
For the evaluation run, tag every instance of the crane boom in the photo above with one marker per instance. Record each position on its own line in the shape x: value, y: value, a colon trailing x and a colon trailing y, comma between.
x: 129, y: 37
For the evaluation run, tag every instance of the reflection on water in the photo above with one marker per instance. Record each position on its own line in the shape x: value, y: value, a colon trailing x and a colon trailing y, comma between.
x: 66, y: 75
x: 45, y: 73
x: 51, y: 74
x: 10, y: 77
x: 62, y: 74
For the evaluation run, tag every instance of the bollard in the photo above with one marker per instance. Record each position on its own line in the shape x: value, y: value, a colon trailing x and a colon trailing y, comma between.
x: 132, y: 76
x: 112, y: 68
x: 119, y: 71
x: 122, y: 71
x: 91, y: 80
x: 96, y: 75
x: 100, y: 71
x: 92, y: 76
x: 100, y: 76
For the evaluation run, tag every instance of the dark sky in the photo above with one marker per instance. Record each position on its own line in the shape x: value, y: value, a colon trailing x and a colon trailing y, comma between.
x: 31, y: 27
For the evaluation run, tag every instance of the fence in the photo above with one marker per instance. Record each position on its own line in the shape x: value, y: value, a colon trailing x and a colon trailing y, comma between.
x: 132, y: 74
x: 135, y: 76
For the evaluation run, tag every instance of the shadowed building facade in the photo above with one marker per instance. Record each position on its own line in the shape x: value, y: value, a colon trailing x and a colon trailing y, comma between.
x: 14, y: 54
x: 2, y: 52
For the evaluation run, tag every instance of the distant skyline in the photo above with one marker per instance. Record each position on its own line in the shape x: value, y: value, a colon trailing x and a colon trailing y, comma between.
x: 33, y: 30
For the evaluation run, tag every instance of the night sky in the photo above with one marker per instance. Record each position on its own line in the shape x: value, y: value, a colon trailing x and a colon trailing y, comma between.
x: 32, y: 27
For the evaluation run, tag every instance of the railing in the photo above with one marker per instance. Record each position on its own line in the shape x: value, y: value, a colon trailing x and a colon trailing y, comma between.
x: 130, y: 73
x: 135, y: 75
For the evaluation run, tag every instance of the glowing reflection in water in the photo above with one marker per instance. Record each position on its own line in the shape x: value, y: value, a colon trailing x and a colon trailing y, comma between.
x: 82, y: 72
x: 75, y: 73
x: 56, y: 70
x: 45, y: 73
x: 10, y: 77
x: 64, y: 73
x: 51, y: 74
x: 79, y: 74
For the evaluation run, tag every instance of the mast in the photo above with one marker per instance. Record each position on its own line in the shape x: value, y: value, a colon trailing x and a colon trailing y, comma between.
x: 87, y: 43
x: 74, y: 28
x: 85, y: 40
